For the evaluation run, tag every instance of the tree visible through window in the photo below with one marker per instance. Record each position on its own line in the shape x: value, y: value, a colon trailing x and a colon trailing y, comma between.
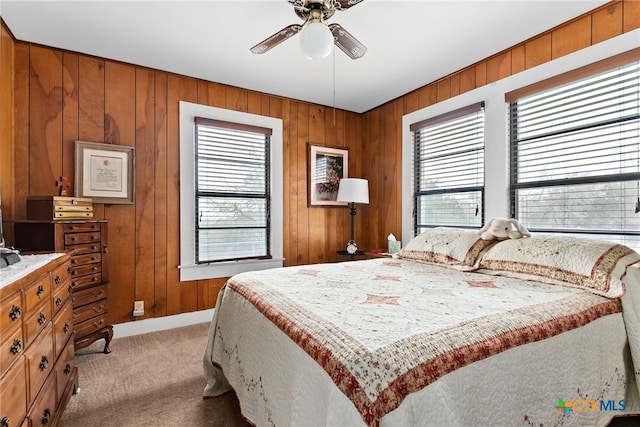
x: 232, y: 191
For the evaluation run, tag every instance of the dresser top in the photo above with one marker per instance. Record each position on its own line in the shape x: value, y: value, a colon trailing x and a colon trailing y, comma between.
x: 27, y: 264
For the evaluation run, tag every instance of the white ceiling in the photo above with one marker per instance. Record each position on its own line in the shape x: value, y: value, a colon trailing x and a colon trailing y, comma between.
x: 410, y: 43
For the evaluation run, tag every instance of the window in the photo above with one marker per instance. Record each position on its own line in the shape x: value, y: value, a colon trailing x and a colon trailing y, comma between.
x: 231, y: 198
x: 232, y: 191
x: 448, y: 178
x: 575, y: 156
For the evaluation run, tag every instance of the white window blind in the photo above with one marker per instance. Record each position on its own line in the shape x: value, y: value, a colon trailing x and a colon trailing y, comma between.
x: 575, y: 157
x: 232, y: 191
x: 449, y: 169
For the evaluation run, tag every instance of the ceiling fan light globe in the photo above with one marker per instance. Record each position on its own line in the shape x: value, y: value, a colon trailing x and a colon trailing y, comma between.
x: 316, y: 40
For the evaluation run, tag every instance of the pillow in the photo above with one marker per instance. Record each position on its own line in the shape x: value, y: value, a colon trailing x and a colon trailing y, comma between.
x: 590, y: 264
x: 454, y: 247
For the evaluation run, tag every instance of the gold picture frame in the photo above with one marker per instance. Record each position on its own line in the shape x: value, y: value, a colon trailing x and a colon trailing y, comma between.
x: 327, y: 166
x: 105, y: 172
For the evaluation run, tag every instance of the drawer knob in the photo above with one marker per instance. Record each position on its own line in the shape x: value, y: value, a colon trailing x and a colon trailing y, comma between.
x: 73, y: 239
x: 42, y: 318
x: 58, y: 301
x: 57, y: 279
x: 16, y: 346
x: 94, y: 237
x: 15, y: 312
x: 67, y: 369
x: 44, y: 362
x: 66, y: 327
x: 39, y: 291
x: 70, y: 289
x: 46, y: 415
x: 4, y: 422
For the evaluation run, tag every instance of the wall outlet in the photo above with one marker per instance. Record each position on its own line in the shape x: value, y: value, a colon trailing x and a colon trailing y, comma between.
x: 138, y: 308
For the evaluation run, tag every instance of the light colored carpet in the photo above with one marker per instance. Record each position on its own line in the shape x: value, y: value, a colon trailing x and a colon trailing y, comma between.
x: 154, y: 379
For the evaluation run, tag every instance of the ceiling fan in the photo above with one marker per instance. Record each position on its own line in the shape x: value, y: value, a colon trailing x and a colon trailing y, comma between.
x: 315, y: 40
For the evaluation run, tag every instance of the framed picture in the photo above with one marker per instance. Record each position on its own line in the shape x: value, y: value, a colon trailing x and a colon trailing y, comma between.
x: 327, y: 166
x: 105, y: 172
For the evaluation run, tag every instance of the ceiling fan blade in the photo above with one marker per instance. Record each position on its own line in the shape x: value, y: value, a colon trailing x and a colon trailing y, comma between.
x: 276, y: 39
x: 346, y: 4
x: 346, y: 42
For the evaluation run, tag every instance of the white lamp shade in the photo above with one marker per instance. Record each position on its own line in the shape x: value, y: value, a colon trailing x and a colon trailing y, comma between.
x: 316, y: 40
x: 353, y: 190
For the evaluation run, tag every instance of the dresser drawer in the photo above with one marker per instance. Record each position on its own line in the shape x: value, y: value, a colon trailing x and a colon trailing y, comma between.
x: 38, y: 319
x: 86, y: 259
x: 10, y: 314
x: 43, y: 409
x: 40, y: 360
x: 83, y: 270
x: 81, y: 227
x: 62, y: 328
x: 11, y: 348
x: 75, y: 238
x: 64, y: 368
x: 87, y: 296
x: 61, y: 276
x: 13, y: 395
x: 39, y: 291
x: 86, y: 248
x: 90, y: 326
x: 60, y: 296
x: 83, y: 281
x: 89, y: 311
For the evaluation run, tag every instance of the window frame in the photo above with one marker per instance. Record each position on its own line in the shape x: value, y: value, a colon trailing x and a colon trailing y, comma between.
x: 190, y: 269
x: 416, y: 128
x: 555, y: 83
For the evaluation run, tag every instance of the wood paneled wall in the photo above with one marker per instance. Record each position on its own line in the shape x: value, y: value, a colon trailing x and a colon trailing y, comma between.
x: 382, y: 148
x: 51, y: 98
x: 61, y: 97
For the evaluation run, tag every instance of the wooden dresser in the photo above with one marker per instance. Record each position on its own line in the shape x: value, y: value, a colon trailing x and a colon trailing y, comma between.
x: 37, y: 370
x: 86, y: 242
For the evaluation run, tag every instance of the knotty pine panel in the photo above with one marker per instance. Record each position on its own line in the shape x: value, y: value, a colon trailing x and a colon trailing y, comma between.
x: 630, y: 15
x: 45, y: 120
x: 607, y: 22
x: 70, y: 126
x: 145, y: 203
x: 304, y: 241
x: 181, y: 297
x: 120, y: 129
x: 160, y: 196
x: 21, y: 134
x: 517, y: 59
x: 498, y: 67
x: 571, y: 37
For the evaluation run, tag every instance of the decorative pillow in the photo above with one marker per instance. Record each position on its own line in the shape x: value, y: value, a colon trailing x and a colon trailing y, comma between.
x: 590, y: 264
x: 454, y: 247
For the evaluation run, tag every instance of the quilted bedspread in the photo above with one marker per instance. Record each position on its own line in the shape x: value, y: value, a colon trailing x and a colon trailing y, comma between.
x: 386, y: 328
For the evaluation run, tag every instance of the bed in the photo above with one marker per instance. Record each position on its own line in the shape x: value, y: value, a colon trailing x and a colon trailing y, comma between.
x: 455, y: 331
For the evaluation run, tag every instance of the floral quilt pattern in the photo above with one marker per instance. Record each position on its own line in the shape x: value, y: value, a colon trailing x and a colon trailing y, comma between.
x: 385, y: 328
